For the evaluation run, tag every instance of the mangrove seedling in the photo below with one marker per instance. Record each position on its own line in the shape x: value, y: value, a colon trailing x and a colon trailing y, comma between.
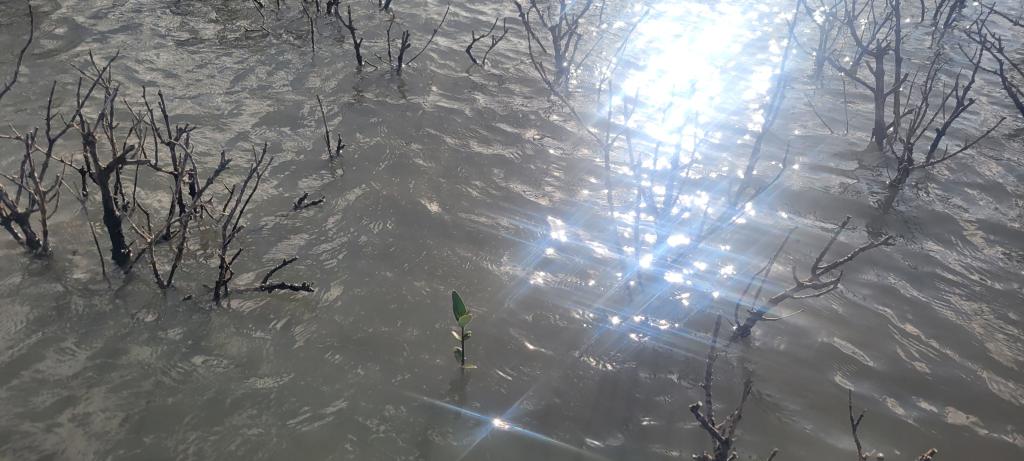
x: 463, y: 317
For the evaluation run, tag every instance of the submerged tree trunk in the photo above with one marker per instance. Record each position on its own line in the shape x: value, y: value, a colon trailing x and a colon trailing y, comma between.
x: 120, y: 253
x: 100, y: 174
x: 758, y: 314
x: 878, y: 132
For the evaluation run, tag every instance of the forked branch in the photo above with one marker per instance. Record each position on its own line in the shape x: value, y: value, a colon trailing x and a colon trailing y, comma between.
x: 495, y: 40
x: 723, y: 435
x: 823, y: 278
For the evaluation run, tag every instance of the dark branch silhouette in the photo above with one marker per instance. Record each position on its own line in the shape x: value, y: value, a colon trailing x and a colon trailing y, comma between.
x: 822, y: 279
x: 495, y: 40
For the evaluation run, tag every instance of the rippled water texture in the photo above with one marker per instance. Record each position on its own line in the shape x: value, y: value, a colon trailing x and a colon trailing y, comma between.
x: 589, y: 336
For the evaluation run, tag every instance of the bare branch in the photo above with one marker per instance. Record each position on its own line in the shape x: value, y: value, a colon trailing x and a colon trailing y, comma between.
x: 21, y: 54
x: 854, y: 426
x: 494, y: 41
x: 723, y: 436
x: 357, y: 43
x: 431, y: 39
x: 335, y: 150
x: 819, y: 282
x: 267, y: 286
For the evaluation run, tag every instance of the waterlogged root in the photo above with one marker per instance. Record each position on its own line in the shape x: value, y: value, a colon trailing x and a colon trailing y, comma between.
x: 303, y: 202
x: 267, y: 286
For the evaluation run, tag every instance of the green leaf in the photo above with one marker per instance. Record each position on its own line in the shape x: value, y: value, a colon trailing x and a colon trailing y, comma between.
x: 469, y: 334
x: 457, y: 336
x: 458, y: 307
x: 458, y: 353
x: 465, y: 319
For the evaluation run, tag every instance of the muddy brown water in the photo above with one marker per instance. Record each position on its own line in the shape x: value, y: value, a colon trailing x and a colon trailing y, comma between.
x: 473, y: 179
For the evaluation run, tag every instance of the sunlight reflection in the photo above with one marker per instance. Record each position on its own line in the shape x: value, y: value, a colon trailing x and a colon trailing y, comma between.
x: 557, y: 229
x: 690, y: 48
x: 690, y: 98
x: 499, y: 423
x: 674, y: 277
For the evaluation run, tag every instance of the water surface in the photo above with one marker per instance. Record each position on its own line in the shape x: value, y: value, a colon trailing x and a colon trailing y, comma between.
x: 589, y: 339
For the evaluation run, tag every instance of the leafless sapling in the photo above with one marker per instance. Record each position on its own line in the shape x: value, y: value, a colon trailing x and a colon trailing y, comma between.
x: 176, y: 140
x: 666, y: 174
x: 862, y: 455
x: 562, y: 19
x: 14, y: 217
x: 930, y: 117
x: 103, y: 166
x: 1009, y: 72
x: 233, y: 211
x: 357, y: 42
x: 823, y: 278
x: 567, y: 29
x: 188, y: 195
x: 825, y: 15
x: 334, y: 149
x: 263, y: 18
x: 399, y: 62
x: 876, y: 33
x: 31, y: 197
x: 722, y: 434
x: 495, y: 40
x: 402, y: 48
